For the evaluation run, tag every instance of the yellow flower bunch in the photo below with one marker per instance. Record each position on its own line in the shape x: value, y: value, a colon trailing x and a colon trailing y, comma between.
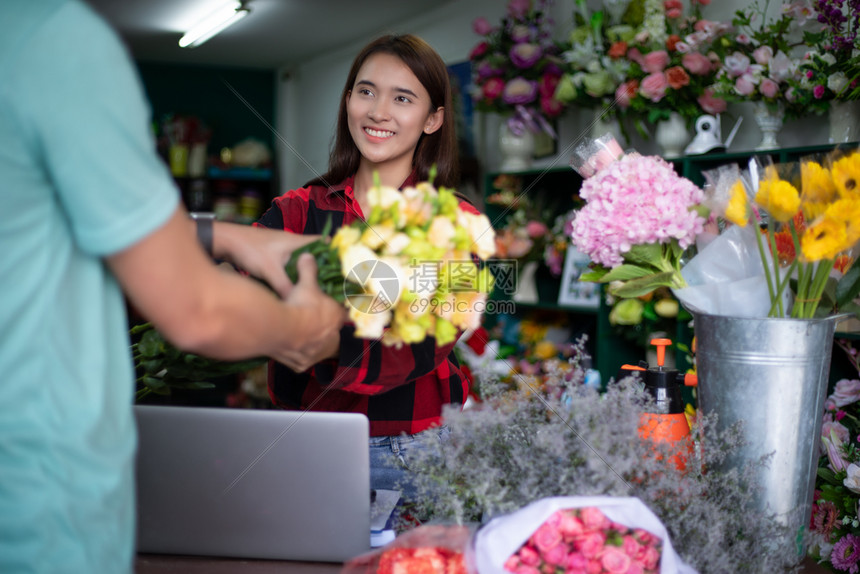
x: 408, y: 271
x: 822, y: 219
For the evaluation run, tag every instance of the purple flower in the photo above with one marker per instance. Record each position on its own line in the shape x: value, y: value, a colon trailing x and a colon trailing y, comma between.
x: 521, y: 33
x: 818, y: 92
x: 525, y: 55
x: 846, y: 553
x: 520, y: 91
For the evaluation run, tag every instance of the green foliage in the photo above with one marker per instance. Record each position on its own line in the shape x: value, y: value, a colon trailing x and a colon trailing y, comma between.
x: 161, y: 367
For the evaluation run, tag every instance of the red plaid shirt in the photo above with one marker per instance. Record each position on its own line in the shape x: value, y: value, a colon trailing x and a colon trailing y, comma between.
x: 400, y: 390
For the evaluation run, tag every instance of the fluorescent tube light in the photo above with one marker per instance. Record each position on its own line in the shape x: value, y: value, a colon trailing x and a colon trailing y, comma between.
x: 214, y: 23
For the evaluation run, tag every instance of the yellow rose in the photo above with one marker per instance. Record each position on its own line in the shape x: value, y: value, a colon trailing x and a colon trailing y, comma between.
x: 375, y: 236
x: 344, y: 238
x: 463, y: 309
x: 383, y: 196
x: 441, y: 232
x: 369, y: 325
x: 446, y: 332
x: 417, y: 207
x: 737, y: 210
x: 481, y: 233
x: 358, y: 260
x: 396, y: 244
x: 779, y: 198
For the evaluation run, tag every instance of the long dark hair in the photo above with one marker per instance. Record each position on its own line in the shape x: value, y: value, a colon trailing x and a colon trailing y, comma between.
x: 438, y: 148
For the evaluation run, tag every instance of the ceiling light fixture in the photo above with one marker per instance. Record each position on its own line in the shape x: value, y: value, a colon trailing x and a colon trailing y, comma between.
x: 213, y: 23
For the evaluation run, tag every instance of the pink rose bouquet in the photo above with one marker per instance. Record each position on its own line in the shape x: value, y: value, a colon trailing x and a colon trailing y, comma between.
x: 671, y: 64
x: 639, y: 217
x: 585, y: 539
x: 594, y: 534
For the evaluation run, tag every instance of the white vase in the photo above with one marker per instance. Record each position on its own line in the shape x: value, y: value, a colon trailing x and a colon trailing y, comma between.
x: 672, y: 135
x: 517, y: 150
x: 769, y: 120
x: 844, y: 121
x: 526, y: 285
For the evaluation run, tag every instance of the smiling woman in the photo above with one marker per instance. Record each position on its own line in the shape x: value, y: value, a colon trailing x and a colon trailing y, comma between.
x: 395, y: 129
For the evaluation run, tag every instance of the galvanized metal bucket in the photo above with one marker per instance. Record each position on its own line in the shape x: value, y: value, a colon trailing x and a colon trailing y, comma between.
x: 772, y: 374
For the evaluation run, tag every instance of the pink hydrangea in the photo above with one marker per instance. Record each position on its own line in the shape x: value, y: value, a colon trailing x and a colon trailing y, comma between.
x: 635, y: 200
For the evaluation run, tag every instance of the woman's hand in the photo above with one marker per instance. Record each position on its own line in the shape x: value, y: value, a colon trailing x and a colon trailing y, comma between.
x: 259, y: 251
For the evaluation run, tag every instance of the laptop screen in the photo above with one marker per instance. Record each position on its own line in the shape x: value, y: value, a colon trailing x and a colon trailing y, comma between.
x: 252, y: 483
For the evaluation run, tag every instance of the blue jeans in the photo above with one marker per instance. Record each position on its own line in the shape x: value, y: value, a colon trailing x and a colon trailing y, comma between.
x: 390, y: 457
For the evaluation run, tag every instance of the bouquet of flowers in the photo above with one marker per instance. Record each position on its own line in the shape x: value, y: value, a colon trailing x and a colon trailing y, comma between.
x: 577, y: 534
x: 639, y: 217
x: 595, y: 65
x: 434, y: 549
x: 757, y: 63
x: 404, y: 273
x: 809, y: 234
x: 829, y: 71
x: 835, y: 526
x: 516, y: 67
x: 407, y: 271
x: 671, y: 67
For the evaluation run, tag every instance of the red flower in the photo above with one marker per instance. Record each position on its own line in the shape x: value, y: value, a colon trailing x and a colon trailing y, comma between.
x: 672, y: 42
x: 479, y: 50
x: 617, y: 50
x: 435, y: 560
x: 677, y: 77
x: 493, y: 88
x: 673, y: 8
x: 478, y: 340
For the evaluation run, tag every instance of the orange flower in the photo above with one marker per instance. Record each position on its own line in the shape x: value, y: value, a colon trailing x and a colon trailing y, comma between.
x: 617, y: 50
x: 672, y: 42
x: 424, y: 560
x: 842, y: 263
x: 784, y: 246
x: 677, y: 77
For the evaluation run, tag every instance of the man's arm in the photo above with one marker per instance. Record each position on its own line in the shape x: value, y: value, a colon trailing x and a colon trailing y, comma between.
x: 205, y: 310
x: 260, y: 251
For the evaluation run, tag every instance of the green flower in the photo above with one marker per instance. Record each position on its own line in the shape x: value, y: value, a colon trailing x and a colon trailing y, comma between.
x: 627, y: 312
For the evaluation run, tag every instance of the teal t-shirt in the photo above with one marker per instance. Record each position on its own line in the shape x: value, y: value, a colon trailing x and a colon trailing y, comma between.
x: 79, y: 180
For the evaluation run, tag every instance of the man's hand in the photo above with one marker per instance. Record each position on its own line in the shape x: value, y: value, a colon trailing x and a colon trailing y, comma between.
x: 261, y: 252
x: 318, y: 320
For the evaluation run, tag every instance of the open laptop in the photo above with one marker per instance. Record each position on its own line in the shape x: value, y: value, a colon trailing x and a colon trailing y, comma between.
x: 252, y: 483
